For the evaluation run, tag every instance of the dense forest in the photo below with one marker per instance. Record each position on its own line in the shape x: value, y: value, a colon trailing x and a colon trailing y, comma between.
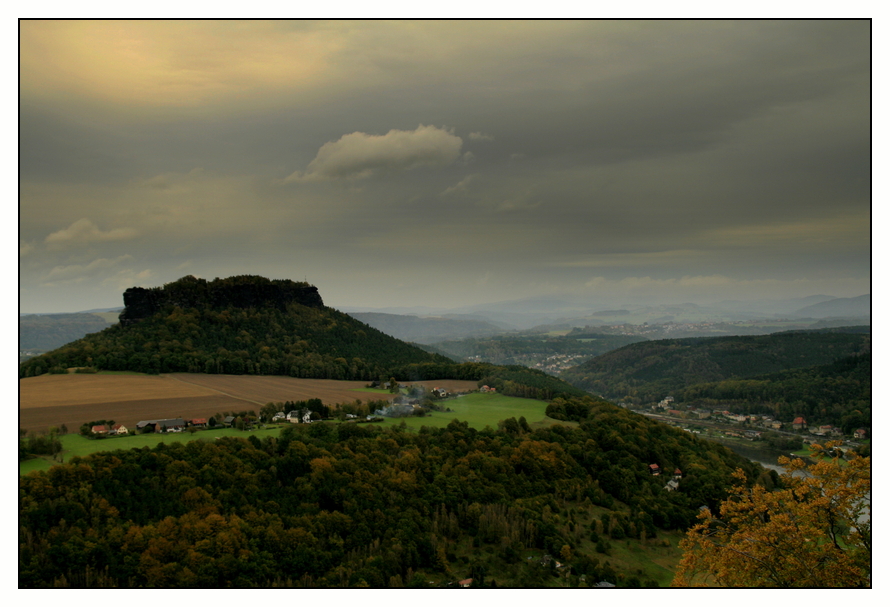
x: 646, y: 372
x: 838, y: 394
x: 356, y: 505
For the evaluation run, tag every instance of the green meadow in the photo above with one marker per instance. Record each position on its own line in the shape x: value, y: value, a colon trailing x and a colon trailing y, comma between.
x: 77, y: 445
x: 478, y: 410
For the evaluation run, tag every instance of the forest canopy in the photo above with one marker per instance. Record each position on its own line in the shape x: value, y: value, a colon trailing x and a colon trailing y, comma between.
x: 356, y: 505
x: 824, y: 375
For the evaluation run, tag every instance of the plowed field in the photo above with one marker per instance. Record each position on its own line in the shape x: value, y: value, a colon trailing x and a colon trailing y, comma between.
x: 52, y: 400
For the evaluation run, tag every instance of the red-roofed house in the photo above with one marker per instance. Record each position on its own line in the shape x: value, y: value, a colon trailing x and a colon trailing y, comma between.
x: 118, y: 429
x: 654, y: 469
x: 859, y: 433
x: 103, y: 429
x: 466, y: 583
x: 799, y: 423
x: 200, y: 422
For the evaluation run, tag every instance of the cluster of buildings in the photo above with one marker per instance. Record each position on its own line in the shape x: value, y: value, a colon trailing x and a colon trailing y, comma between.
x: 557, y: 363
x: 116, y: 429
x: 173, y: 425
x: 767, y: 422
x: 674, y: 483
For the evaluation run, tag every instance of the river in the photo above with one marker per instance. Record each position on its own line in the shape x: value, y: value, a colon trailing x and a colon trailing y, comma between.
x: 768, y: 458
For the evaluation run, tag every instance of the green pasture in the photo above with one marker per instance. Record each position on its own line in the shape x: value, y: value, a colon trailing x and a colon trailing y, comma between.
x: 77, y: 445
x: 479, y: 410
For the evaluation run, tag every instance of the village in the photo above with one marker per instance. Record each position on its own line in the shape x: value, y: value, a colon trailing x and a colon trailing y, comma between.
x: 416, y: 402
x: 748, y: 427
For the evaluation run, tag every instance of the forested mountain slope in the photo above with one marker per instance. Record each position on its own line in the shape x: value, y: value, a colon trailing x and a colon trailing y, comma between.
x: 256, y: 326
x: 244, y: 324
x: 837, y: 394
x: 649, y: 371
x: 354, y: 505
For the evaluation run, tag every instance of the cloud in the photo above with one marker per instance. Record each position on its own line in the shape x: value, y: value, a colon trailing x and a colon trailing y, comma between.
x: 77, y: 273
x: 84, y: 231
x: 25, y: 248
x: 169, y: 181
x: 481, y: 137
x: 461, y: 187
x: 616, y: 260
x: 124, y: 279
x: 359, y: 155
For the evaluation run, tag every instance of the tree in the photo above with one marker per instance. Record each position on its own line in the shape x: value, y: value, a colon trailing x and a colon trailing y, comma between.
x: 813, y: 532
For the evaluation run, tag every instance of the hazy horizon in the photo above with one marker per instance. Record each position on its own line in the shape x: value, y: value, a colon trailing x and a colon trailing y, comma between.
x: 446, y: 164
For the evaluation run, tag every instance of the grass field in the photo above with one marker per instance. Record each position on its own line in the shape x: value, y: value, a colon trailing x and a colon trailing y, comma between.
x: 479, y: 410
x: 77, y: 445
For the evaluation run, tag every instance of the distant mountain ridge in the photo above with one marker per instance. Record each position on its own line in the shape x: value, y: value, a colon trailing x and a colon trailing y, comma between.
x: 49, y: 331
x: 649, y: 371
x: 840, y: 307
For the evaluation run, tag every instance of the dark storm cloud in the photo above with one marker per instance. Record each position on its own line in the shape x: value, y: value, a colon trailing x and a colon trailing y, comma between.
x: 562, y: 152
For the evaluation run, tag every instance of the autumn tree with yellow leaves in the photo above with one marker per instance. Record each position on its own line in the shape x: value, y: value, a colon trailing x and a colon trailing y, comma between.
x: 815, y: 531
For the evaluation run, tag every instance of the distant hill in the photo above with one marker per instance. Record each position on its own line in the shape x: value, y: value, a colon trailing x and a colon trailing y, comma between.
x: 649, y: 371
x: 837, y: 394
x: 238, y: 325
x: 847, y: 307
x: 50, y: 331
x: 540, y: 351
x: 427, y: 330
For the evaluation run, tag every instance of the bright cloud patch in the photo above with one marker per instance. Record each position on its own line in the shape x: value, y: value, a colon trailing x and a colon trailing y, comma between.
x: 359, y: 155
x: 84, y: 231
x: 76, y: 273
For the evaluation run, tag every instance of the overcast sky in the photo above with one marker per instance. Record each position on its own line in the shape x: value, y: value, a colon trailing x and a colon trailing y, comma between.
x: 446, y: 163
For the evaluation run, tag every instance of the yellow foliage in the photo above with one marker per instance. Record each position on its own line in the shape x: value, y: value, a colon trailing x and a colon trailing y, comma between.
x: 815, y: 531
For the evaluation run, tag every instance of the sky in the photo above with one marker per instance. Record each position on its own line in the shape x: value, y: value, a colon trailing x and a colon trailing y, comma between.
x: 446, y: 164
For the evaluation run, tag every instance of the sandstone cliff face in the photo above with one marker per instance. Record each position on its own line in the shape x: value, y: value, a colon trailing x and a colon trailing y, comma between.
x: 235, y: 292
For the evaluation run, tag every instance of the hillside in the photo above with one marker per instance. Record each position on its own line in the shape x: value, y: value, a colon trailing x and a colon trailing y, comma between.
x: 837, y: 394
x: 239, y: 325
x: 354, y: 505
x: 648, y: 371
x: 249, y: 325
x: 840, y: 307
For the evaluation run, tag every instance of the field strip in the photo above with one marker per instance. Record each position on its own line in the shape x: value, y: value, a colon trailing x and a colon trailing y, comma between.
x: 256, y: 402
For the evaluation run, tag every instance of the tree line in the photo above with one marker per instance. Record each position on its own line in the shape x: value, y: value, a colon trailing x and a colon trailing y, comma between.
x: 823, y: 375
x: 357, y: 505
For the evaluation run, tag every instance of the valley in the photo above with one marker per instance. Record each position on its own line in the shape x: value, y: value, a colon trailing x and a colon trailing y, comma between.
x: 512, y: 476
